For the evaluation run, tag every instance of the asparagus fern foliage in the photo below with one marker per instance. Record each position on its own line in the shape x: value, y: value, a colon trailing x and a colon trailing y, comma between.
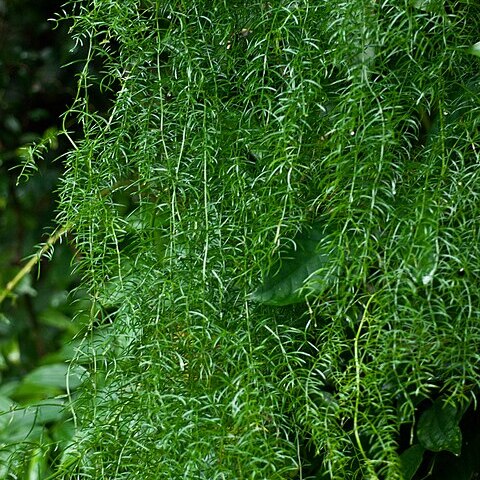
x: 285, y: 267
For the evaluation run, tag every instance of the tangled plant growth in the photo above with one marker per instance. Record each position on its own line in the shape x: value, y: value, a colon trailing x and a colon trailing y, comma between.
x: 277, y: 224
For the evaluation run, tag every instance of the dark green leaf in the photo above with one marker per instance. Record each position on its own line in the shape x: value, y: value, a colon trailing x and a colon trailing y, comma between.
x: 48, y: 411
x: 57, y: 319
x: 6, y: 405
x: 410, y: 460
x: 463, y: 467
x: 475, y: 49
x: 58, y: 375
x: 21, y: 425
x: 63, y: 431
x: 309, y: 269
x: 438, y: 428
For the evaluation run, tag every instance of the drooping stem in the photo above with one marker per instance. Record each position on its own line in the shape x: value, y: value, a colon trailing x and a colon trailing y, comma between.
x: 51, y: 241
x: 358, y: 366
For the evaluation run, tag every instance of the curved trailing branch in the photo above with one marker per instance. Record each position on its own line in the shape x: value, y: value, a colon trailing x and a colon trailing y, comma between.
x: 46, y: 247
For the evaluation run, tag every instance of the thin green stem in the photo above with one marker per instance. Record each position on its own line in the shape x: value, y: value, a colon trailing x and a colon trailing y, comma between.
x: 27, y: 268
x: 358, y: 369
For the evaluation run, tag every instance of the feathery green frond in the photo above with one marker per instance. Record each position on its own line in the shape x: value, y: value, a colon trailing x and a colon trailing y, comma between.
x: 233, y: 128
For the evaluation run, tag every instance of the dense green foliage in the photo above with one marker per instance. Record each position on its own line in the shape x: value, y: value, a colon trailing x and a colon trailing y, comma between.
x: 243, y: 140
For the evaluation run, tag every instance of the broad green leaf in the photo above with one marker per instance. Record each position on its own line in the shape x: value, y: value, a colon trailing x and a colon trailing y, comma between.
x: 63, y: 432
x: 411, y: 459
x: 475, y: 49
x: 20, y: 425
x: 37, y: 464
x: 58, y: 375
x: 5, y: 403
x: 48, y: 411
x: 57, y: 319
x: 6, y: 406
x: 308, y: 269
x: 8, y: 389
x: 463, y: 467
x: 71, y: 452
x: 31, y: 392
x: 438, y: 428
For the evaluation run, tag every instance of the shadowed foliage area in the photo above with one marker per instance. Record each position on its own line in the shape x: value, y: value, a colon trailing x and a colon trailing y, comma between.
x: 36, y: 313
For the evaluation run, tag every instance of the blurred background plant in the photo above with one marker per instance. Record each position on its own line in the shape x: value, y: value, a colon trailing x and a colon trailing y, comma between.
x: 39, y: 317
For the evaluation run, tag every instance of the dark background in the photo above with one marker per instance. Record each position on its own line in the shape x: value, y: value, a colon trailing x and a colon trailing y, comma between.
x: 38, y: 69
